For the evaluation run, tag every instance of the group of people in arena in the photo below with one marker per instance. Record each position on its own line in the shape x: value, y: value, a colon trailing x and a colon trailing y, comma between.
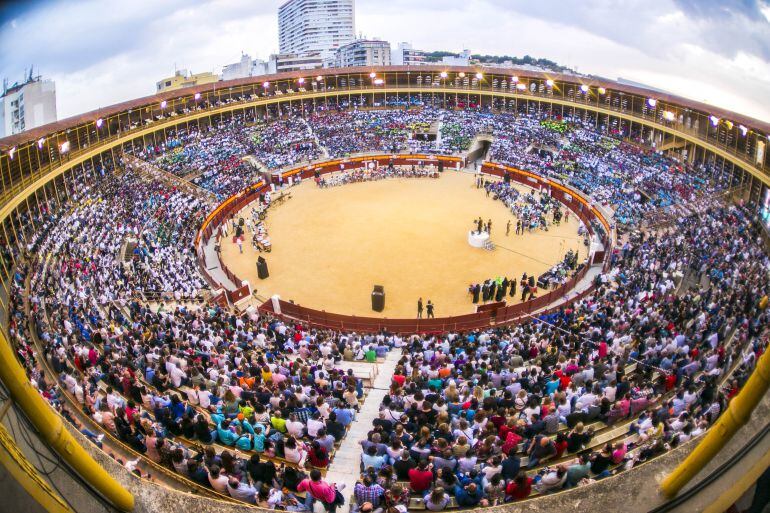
x: 375, y: 174
x: 251, y: 406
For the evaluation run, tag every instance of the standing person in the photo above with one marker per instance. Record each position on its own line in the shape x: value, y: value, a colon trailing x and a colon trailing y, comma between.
x: 429, y: 309
x: 508, y: 228
x: 319, y: 490
x: 419, y: 308
x: 489, y: 227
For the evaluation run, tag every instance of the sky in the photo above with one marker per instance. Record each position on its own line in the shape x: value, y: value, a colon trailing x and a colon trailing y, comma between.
x: 101, y: 52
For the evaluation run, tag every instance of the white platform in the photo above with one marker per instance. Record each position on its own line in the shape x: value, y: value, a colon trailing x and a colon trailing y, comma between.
x: 476, y: 239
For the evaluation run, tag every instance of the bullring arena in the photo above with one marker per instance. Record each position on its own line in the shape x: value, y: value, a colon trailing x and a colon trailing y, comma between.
x: 145, y: 355
x: 330, y: 246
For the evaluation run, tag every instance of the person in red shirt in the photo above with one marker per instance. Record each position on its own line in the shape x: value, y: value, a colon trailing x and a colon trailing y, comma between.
x: 421, y: 478
x: 519, y: 488
x: 318, y: 456
x: 561, y: 444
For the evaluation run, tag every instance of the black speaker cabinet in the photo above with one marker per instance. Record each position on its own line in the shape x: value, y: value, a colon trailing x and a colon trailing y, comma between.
x: 378, y: 298
x: 262, y: 268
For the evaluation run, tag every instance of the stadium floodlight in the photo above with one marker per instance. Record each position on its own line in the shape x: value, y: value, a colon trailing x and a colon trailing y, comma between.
x: 729, y: 124
x: 99, y: 123
x: 65, y: 147
x: 197, y: 96
x: 668, y: 115
x: 584, y: 88
x: 372, y: 74
x: 301, y: 80
x: 462, y: 74
x: 40, y: 142
x: 379, y: 81
x: 521, y: 87
x: 163, y: 104
x: 514, y: 79
x: 479, y: 76
x: 265, y: 84
x: 11, y: 152
x: 444, y: 74
x: 652, y: 102
x: 318, y: 78
x: 714, y: 120
x: 743, y: 130
x: 602, y: 90
x: 549, y: 82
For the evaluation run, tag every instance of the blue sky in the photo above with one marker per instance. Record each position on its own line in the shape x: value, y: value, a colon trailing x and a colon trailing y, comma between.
x: 103, y: 51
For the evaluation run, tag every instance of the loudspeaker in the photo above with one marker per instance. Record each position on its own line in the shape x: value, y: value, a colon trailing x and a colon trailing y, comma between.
x: 440, y: 166
x: 378, y: 298
x: 262, y: 272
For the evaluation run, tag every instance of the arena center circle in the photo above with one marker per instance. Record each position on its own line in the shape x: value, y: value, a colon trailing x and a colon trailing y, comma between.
x: 331, y: 245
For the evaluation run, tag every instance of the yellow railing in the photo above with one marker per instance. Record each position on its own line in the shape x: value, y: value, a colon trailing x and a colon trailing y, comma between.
x: 737, y: 414
x: 54, y: 433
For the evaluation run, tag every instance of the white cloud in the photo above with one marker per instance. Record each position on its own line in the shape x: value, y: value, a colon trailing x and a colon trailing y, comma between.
x: 104, y: 51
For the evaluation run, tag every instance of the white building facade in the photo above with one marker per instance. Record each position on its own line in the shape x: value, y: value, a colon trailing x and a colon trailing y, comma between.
x: 462, y: 59
x: 28, y: 105
x: 315, y: 26
x: 363, y: 52
x: 245, y: 68
x: 280, y: 63
x: 406, y: 55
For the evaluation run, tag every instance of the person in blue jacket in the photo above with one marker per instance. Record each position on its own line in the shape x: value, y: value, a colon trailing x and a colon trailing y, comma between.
x: 469, y: 496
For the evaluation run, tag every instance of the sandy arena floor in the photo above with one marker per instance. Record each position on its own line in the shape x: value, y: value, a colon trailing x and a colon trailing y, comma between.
x: 330, y: 246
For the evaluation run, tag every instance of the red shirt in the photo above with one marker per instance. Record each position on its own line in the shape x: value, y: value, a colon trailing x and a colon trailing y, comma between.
x: 420, y: 480
x: 519, y: 492
x: 399, y: 379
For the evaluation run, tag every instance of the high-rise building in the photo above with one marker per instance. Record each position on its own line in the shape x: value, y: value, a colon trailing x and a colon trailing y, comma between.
x: 27, y: 105
x: 363, y: 52
x: 315, y: 26
x: 405, y: 55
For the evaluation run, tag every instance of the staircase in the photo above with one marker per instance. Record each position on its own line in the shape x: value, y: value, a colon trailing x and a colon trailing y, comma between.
x: 154, y: 172
x: 128, y: 250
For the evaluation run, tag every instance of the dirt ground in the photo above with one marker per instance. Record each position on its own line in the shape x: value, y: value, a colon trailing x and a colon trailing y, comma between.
x: 330, y: 246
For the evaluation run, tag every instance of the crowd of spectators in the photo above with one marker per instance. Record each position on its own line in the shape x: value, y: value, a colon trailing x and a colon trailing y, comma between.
x: 632, y: 180
x: 636, y: 368
x: 375, y: 174
x: 245, y: 404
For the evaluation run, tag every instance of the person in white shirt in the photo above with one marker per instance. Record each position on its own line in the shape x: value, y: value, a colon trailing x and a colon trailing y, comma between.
x: 313, y: 425
x: 294, y: 427
x: 177, y: 375
x: 217, y: 480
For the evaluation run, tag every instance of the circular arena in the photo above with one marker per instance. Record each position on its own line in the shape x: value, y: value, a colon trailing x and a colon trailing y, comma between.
x: 573, y: 273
